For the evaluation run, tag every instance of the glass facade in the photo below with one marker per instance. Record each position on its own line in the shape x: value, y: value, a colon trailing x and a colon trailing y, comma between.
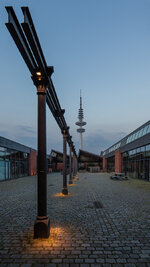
x: 145, y: 130
x: 136, y: 162
x: 111, y: 164
x: 13, y: 164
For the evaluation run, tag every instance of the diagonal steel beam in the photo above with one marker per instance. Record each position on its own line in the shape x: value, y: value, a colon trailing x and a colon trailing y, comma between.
x: 33, y: 40
x: 31, y: 51
x: 18, y: 36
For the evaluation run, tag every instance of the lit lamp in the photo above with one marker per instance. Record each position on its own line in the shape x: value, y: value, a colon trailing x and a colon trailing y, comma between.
x: 39, y: 74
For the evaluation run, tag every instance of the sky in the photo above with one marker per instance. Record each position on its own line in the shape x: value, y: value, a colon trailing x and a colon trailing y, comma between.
x: 101, y: 47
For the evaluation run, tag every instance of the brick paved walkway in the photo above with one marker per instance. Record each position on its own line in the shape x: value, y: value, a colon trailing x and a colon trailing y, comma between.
x: 113, y: 232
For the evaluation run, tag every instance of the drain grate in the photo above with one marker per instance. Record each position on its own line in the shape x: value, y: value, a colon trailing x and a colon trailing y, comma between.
x: 98, y: 204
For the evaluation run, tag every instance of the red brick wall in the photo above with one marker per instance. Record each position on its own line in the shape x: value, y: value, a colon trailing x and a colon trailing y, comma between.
x: 56, y: 167
x: 59, y: 166
x: 118, y: 161
x: 104, y: 164
x: 32, y: 163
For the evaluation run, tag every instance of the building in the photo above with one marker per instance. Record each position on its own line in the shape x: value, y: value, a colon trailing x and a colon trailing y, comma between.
x: 131, y: 154
x: 56, y: 161
x: 17, y: 160
x: 89, y: 161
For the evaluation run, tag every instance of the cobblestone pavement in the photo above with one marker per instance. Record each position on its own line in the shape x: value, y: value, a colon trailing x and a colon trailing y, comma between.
x: 101, y: 222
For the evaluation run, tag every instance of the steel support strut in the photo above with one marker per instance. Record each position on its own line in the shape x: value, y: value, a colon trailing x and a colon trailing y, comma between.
x: 64, y: 189
x: 70, y: 165
x: 73, y: 165
x: 77, y: 168
x: 42, y: 223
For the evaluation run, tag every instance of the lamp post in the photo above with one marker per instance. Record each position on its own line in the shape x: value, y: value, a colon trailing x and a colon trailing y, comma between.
x: 76, y: 166
x: 27, y: 42
x: 70, y: 165
x: 74, y: 172
x: 42, y: 223
x: 64, y: 189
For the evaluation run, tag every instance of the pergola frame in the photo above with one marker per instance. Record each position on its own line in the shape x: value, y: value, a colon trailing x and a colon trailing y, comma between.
x: 27, y: 41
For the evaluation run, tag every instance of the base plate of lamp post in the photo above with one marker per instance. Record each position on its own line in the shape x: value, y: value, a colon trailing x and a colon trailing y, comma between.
x: 42, y: 227
x: 65, y: 191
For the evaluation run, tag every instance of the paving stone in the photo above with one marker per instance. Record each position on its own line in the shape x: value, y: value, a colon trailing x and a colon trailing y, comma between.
x: 110, y: 261
x: 100, y: 260
x: 68, y: 260
x: 89, y: 260
x: 57, y: 260
x: 118, y: 234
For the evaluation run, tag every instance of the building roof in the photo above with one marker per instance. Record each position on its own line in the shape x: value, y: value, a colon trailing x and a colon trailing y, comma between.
x: 4, y: 142
x: 137, y: 138
x: 85, y: 156
x: 57, y: 155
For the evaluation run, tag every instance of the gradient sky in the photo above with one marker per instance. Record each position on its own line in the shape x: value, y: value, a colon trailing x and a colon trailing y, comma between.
x: 99, y: 46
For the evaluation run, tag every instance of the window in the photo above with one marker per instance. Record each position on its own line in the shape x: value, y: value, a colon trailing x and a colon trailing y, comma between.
x: 2, y: 170
x: 148, y: 130
x: 133, y: 151
x: 143, y: 149
x: 130, y: 153
x: 136, y: 135
x: 145, y: 129
x: 147, y: 151
x: 148, y: 148
x: 140, y: 133
x: 138, y: 150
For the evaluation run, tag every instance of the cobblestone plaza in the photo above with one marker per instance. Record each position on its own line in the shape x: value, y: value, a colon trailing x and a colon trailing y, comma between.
x: 101, y: 222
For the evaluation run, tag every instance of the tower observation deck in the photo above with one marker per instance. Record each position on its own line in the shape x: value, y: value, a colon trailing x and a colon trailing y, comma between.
x: 80, y: 123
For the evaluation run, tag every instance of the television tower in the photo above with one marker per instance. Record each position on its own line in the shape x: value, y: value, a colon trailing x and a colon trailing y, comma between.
x: 80, y: 123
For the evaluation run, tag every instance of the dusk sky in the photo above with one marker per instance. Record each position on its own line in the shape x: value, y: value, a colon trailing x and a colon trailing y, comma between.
x: 99, y: 46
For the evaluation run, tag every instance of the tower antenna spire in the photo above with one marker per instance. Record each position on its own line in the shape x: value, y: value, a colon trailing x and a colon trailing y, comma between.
x: 80, y: 123
x: 80, y: 100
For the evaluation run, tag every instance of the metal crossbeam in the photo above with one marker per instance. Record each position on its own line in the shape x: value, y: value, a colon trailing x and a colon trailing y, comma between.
x: 33, y: 40
x: 29, y: 46
x: 17, y: 34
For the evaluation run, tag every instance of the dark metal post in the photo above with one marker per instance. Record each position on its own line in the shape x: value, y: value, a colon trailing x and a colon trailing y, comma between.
x: 70, y: 165
x: 73, y: 165
x: 76, y: 165
x: 64, y: 189
x: 77, y: 168
x: 42, y: 223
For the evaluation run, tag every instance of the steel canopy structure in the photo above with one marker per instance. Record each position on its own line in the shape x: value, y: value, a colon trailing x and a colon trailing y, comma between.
x: 26, y: 40
x: 31, y: 51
